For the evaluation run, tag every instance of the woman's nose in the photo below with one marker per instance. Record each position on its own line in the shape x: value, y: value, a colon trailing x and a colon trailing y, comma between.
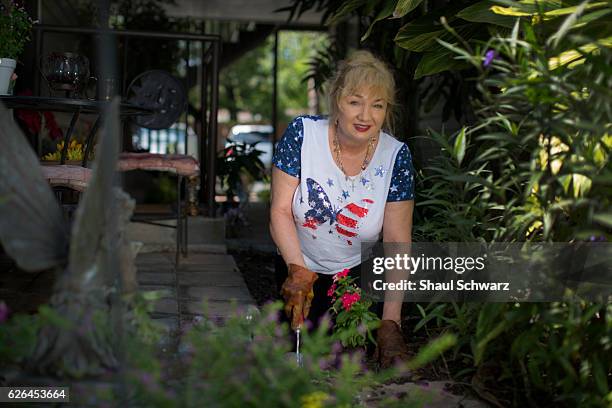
x: 364, y: 113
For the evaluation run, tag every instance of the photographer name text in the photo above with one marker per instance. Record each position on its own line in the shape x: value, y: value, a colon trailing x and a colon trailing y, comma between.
x: 428, y: 285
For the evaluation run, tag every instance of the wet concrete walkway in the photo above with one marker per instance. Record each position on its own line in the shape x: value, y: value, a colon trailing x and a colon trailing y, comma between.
x: 210, y: 277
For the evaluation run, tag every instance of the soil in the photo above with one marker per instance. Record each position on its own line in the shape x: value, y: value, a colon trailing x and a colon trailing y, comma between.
x: 24, y: 292
x: 257, y: 269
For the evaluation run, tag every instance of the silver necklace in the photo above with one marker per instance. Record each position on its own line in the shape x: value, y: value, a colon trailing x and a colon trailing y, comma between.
x: 364, y: 165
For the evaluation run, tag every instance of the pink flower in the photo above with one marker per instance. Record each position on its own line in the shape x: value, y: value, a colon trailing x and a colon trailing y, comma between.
x: 14, y: 77
x: 4, y: 312
x: 349, y: 299
x: 341, y: 275
x: 332, y: 290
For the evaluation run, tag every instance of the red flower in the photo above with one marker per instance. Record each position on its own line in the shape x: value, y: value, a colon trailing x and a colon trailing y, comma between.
x: 30, y: 118
x: 33, y: 120
x: 349, y: 299
x: 54, y: 131
x: 4, y: 312
x: 341, y: 275
x: 332, y: 290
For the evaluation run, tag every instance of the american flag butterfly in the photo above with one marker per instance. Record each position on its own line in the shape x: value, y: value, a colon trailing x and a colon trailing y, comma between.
x: 346, y: 219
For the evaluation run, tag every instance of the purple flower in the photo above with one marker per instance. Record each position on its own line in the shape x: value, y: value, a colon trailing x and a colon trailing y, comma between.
x: 148, y: 381
x: 4, y: 312
x: 600, y: 238
x: 324, y: 364
x: 489, y: 57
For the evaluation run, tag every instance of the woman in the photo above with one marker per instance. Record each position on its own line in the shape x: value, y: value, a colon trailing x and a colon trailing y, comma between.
x: 335, y: 183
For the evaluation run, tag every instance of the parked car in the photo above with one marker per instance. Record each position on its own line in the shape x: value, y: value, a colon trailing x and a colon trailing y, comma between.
x: 251, y: 134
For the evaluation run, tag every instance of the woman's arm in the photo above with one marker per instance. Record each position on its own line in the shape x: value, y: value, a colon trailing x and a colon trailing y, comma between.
x: 397, y: 227
x: 282, y: 226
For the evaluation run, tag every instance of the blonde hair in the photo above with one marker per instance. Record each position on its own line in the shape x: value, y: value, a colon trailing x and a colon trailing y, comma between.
x: 362, y: 68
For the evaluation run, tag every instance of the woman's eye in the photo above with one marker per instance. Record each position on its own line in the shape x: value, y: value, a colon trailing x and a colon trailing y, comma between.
x: 354, y: 103
x: 378, y: 106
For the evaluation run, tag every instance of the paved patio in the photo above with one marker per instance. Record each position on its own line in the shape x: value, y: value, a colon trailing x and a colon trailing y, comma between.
x: 210, y: 277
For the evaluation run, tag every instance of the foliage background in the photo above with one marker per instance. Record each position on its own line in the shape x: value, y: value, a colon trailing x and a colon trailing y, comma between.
x: 530, y: 162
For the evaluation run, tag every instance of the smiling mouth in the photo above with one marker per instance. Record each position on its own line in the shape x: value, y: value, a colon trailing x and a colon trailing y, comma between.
x: 362, y: 128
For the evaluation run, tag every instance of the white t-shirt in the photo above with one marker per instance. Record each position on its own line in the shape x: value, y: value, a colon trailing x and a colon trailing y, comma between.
x: 333, y: 214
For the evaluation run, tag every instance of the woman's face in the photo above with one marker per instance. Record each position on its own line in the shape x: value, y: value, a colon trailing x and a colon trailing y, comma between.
x: 361, y: 115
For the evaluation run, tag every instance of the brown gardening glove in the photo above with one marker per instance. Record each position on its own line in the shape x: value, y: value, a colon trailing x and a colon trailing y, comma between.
x: 297, y: 292
x: 391, y: 347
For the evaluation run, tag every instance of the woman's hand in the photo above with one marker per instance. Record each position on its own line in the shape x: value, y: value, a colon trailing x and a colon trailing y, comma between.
x: 397, y: 227
x: 391, y: 347
x: 298, y: 293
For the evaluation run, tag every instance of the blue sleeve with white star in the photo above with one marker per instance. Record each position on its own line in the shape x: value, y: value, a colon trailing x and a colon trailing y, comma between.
x: 402, y: 178
x: 288, y: 151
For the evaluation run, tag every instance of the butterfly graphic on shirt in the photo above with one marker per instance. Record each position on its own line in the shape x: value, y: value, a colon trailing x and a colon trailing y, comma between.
x: 346, y: 219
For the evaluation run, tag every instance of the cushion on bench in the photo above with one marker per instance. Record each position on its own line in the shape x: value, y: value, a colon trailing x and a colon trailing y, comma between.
x: 175, y: 163
x: 74, y: 177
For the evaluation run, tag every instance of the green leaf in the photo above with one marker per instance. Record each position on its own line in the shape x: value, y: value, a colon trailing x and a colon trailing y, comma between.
x: 567, y: 25
x: 437, y: 312
x: 481, y: 346
x: 437, y: 61
x: 459, y: 147
x: 573, y: 56
x: 599, y: 374
x: 481, y: 13
x: 571, y: 10
x: 467, y: 178
x: 385, y: 12
x: 514, y: 37
x: 488, y: 315
x: 346, y: 9
x: 404, y: 7
x: 510, y: 11
x: 417, y: 37
x: 459, y: 51
x: 604, y: 219
x: 432, y: 350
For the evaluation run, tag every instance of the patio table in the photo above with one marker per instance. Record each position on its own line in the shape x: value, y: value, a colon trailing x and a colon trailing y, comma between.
x: 76, y: 107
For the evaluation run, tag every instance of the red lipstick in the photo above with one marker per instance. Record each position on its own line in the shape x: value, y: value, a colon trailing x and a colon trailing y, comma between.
x: 361, y: 128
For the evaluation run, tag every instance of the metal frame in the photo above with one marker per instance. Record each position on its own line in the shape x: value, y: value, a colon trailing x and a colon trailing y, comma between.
x: 209, y: 92
x: 181, y: 222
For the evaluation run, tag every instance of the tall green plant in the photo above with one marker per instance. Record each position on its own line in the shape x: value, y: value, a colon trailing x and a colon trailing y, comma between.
x: 239, y: 159
x: 15, y: 30
x: 534, y: 167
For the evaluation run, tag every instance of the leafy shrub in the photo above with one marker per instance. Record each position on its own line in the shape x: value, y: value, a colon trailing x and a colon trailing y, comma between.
x: 246, y: 362
x: 15, y: 27
x: 534, y: 167
x: 239, y: 159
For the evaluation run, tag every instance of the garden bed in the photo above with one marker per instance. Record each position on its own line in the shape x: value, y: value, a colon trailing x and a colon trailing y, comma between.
x: 257, y: 269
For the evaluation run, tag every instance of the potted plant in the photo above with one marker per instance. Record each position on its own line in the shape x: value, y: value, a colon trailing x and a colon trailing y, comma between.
x: 15, y: 28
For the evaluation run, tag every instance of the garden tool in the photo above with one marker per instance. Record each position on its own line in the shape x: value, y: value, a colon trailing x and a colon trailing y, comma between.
x: 298, y: 293
x: 298, y: 355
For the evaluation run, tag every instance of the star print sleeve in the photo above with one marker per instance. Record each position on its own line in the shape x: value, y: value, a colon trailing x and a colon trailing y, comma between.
x: 402, y: 178
x: 288, y: 152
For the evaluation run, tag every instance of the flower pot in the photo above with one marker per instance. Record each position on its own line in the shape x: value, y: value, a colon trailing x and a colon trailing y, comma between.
x: 7, y: 67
